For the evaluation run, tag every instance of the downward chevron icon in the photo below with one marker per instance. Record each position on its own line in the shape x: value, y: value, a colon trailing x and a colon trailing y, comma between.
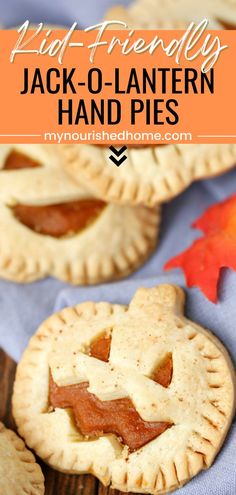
x: 118, y: 157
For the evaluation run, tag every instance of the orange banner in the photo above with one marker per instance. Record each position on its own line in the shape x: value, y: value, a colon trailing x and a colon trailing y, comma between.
x: 66, y: 86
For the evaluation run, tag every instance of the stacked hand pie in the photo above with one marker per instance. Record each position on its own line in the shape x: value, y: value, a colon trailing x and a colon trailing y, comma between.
x: 51, y: 225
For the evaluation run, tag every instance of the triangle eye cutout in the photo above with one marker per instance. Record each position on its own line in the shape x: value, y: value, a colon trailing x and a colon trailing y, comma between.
x: 18, y: 161
x: 163, y: 372
x: 100, y: 348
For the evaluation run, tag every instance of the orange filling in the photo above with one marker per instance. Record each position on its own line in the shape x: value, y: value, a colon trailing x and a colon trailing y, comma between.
x: 16, y: 161
x: 100, y: 348
x: 59, y: 220
x: 94, y: 417
x: 163, y: 373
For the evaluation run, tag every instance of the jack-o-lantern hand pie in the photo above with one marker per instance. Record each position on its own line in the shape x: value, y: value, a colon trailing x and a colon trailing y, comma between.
x: 155, y: 174
x: 51, y: 226
x: 139, y: 396
x: 19, y: 472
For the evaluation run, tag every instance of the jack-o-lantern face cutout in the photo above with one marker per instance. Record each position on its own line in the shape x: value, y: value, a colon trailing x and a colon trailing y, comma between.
x: 155, y: 174
x: 95, y: 417
x: 139, y: 396
x: 52, y: 226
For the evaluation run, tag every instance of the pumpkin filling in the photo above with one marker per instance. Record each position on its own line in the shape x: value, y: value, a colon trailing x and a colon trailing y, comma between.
x: 100, y: 348
x: 59, y: 220
x: 94, y: 417
x: 164, y: 371
x: 16, y: 161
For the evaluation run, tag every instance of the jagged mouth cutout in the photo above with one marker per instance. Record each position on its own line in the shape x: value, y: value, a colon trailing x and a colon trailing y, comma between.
x: 94, y: 417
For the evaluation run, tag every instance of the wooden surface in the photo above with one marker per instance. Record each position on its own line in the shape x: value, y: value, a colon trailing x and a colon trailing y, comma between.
x: 55, y: 483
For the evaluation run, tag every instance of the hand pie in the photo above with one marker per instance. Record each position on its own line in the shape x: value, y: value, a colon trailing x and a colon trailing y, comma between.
x: 151, y: 174
x: 19, y: 473
x: 139, y: 396
x: 51, y: 226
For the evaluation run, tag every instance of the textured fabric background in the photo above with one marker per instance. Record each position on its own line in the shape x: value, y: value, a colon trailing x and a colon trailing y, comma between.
x: 22, y: 308
x: 62, y: 12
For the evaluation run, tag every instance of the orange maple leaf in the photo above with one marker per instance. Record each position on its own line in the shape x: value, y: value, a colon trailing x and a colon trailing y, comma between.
x: 202, y: 262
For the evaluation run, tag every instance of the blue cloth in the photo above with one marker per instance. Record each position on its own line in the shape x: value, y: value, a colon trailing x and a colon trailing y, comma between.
x: 23, y: 307
x: 61, y: 12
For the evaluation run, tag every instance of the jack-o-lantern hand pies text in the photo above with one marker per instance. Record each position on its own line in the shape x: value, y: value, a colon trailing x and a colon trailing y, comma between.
x: 140, y: 396
x: 19, y: 473
x: 52, y: 226
x: 155, y: 174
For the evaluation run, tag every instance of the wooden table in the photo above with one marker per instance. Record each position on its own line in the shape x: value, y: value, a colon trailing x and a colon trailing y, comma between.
x: 55, y: 483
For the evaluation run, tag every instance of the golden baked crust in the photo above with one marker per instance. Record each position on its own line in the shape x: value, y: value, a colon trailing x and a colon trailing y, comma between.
x: 150, y: 175
x: 117, y: 242
x: 199, y: 402
x: 19, y: 473
x: 153, y: 14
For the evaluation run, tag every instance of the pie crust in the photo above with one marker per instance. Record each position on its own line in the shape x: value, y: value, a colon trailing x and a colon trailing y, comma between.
x: 114, y: 244
x: 177, y: 14
x: 199, y: 402
x: 19, y: 473
x: 150, y: 175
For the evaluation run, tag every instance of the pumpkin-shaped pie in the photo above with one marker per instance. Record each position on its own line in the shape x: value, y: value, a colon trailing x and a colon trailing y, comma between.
x: 139, y: 396
x: 155, y: 174
x: 52, y: 226
x: 19, y: 473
